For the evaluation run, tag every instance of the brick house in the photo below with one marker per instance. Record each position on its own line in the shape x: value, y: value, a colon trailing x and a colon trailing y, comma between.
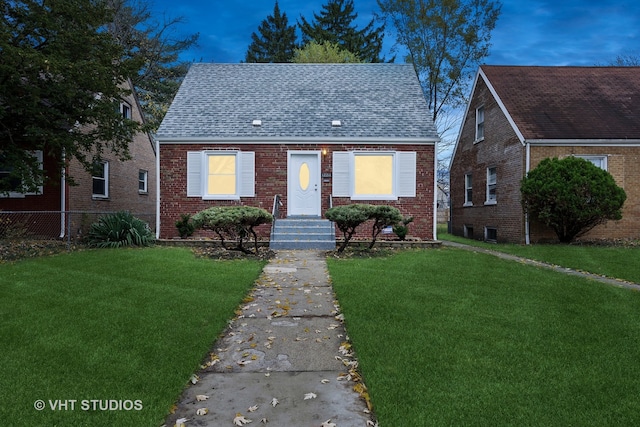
x: 117, y: 185
x: 520, y: 115
x: 315, y: 135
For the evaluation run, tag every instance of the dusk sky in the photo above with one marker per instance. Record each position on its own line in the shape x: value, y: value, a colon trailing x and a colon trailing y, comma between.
x: 531, y: 32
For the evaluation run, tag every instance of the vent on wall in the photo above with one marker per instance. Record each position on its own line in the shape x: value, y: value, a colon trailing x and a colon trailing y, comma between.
x: 336, y: 123
x: 257, y: 123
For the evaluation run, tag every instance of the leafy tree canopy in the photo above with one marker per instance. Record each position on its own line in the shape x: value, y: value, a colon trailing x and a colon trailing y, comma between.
x: 62, y: 77
x: 155, y: 44
x: 571, y: 196
x: 335, y: 24
x: 276, y: 40
x: 326, y: 52
x: 446, y: 41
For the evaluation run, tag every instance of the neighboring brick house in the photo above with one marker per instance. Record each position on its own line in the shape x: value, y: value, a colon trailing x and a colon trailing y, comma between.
x: 314, y: 134
x: 518, y: 116
x: 117, y: 185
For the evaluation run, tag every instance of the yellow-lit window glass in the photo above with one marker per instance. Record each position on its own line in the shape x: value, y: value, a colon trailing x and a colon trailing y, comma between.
x: 222, y: 174
x: 374, y: 174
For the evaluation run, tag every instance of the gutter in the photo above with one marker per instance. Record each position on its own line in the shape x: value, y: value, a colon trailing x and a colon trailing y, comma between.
x: 157, y: 189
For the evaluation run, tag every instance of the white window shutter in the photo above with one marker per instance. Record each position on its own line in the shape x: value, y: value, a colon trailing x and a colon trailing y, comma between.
x: 341, y: 175
x: 406, y: 175
x: 194, y: 174
x: 247, y: 164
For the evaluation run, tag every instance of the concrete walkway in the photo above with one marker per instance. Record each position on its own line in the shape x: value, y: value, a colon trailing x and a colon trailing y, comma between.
x: 584, y: 274
x: 282, y: 362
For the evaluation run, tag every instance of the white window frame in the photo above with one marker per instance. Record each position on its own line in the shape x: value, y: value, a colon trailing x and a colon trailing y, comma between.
x: 595, y: 159
x: 468, y: 187
x: 38, y: 154
x: 125, y: 109
x: 404, y: 175
x: 491, y: 200
x: 479, y: 124
x: 105, y: 178
x: 144, y: 182
x: 486, y: 234
x: 198, y: 174
x: 394, y: 193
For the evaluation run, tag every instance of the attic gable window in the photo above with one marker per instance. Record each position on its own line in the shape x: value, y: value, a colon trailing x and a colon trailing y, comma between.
x: 125, y: 110
x: 479, y: 124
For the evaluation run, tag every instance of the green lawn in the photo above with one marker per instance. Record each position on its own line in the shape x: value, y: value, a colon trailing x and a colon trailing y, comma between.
x: 452, y: 337
x: 124, y: 325
x: 622, y: 262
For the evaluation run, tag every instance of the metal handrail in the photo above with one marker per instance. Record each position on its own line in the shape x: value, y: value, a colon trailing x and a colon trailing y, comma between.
x: 276, y: 210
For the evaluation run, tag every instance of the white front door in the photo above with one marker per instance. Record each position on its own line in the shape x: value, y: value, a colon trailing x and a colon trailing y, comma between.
x: 303, y: 187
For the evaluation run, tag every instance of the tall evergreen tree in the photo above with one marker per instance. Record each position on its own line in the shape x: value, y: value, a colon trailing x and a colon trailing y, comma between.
x: 276, y: 41
x: 335, y: 24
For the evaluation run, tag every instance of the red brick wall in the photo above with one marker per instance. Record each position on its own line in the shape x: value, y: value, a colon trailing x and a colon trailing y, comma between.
x: 271, y: 179
x: 123, y: 180
x: 501, y: 149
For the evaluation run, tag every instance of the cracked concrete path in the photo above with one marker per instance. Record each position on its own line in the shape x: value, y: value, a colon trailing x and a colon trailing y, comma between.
x: 288, y: 344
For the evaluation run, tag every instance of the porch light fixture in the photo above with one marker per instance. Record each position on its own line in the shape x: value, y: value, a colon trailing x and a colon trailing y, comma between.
x: 324, y: 153
x: 336, y: 123
x: 257, y: 123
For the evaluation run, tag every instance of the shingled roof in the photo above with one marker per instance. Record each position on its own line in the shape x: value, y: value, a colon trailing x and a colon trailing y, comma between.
x: 570, y: 102
x: 371, y: 101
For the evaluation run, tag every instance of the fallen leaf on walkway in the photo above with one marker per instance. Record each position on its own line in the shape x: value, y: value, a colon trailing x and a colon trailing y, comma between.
x: 253, y: 408
x: 324, y: 381
x: 310, y: 396
x: 202, y: 411
x: 328, y: 423
x: 274, y: 402
x: 264, y: 421
x: 194, y: 379
x: 180, y: 422
x: 201, y: 397
x: 372, y: 424
x: 240, y: 420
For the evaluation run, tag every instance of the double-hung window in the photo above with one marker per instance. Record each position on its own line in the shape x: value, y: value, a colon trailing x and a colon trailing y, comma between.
x: 374, y: 175
x: 143, y: 181
x: 100, y: 180
x: 220, y: 175
x: 468, y: 190
x: 479, y: 124
x: 599, y: 161
x: 125, y: 110
x: 491, y: 186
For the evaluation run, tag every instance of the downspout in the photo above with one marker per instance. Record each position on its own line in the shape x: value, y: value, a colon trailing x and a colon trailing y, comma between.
x: 157, y: 189
x: 63, y: 197
x: 527, y: 147
x: 435, y: 190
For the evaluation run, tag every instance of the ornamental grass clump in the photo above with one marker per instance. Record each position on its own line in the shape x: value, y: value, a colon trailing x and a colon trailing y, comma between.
x: 119, y: 229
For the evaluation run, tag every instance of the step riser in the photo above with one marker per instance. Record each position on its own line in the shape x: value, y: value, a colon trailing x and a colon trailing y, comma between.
x: 303, y: 234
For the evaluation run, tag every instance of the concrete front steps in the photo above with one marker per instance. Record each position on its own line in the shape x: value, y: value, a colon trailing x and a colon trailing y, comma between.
x: 303, y: 233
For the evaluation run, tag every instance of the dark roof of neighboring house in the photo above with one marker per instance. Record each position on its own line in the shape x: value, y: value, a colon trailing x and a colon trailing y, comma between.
x: 570, y: 102
x: 375, y: 101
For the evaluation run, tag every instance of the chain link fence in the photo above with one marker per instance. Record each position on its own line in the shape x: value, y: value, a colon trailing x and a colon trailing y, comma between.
x: 69, y: 226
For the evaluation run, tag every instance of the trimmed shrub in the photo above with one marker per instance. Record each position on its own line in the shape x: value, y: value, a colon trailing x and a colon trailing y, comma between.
x: 185, y: 226
x: 347, y: 218
x: 571, y: 196
x: 383, y: 216
x: 235, y: 223
x: 401, y: 230
x: 119, y: 229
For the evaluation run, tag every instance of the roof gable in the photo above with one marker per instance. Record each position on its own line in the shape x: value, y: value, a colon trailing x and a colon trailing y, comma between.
x: 569, y: 102
x: 221, y: 101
